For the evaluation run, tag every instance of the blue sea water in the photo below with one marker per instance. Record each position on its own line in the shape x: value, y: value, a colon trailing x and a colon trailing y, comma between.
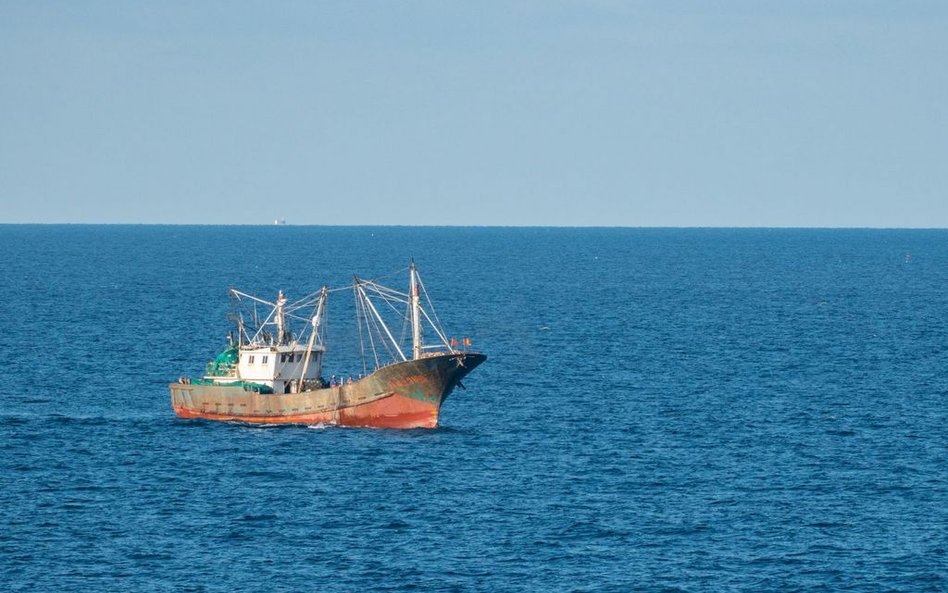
x: 662, y: 410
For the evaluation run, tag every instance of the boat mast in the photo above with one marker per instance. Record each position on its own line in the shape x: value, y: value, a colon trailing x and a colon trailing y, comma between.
x: 280, y: 321
x: 415, y: 314
x: 312, y: 337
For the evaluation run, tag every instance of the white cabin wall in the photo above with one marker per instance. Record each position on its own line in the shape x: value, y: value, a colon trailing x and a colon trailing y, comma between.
x: 275, y: 371
x: 291, y: 370
x: 257, y: 371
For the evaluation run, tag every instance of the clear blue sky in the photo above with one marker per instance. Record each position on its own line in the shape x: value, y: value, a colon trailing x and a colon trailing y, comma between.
x: 802, y: 113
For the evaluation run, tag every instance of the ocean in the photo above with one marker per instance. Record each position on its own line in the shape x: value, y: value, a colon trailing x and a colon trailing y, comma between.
x: 661, y: 410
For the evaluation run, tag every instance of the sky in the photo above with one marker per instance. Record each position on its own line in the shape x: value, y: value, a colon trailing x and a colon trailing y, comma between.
x: 534, y: 113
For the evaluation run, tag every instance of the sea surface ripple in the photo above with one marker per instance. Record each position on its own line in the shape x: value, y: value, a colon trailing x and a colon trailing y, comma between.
x: 662, y: 410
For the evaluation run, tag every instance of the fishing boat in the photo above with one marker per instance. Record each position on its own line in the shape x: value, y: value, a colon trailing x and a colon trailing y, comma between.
x: 272, y: 371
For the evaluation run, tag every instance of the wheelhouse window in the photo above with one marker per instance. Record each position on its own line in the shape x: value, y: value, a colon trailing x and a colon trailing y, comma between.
x: 265, y: 359
x: 250, y: 359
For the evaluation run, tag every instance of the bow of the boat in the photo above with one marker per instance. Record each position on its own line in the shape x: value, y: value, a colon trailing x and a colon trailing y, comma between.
x: 417, y: 390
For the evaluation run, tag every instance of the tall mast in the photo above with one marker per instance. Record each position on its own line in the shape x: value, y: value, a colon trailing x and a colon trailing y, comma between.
x: 280, y: 321
x: 312, y: 337
x: 415, y: 314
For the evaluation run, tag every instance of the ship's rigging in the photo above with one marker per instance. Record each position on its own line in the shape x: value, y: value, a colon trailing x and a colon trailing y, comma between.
x: 378, y: 309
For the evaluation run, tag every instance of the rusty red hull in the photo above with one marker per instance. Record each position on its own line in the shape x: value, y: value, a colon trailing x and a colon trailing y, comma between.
x: 403, y: 395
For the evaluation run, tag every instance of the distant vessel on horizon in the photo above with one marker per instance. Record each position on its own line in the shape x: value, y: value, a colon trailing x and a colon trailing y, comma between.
x: 272, y: 374
x: 279, y: 221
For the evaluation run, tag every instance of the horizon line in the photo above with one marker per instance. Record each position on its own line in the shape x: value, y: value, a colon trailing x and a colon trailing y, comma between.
x: 482, y: 226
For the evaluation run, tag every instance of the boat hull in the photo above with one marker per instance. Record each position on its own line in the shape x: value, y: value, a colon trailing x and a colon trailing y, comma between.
x: 402, y: 395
